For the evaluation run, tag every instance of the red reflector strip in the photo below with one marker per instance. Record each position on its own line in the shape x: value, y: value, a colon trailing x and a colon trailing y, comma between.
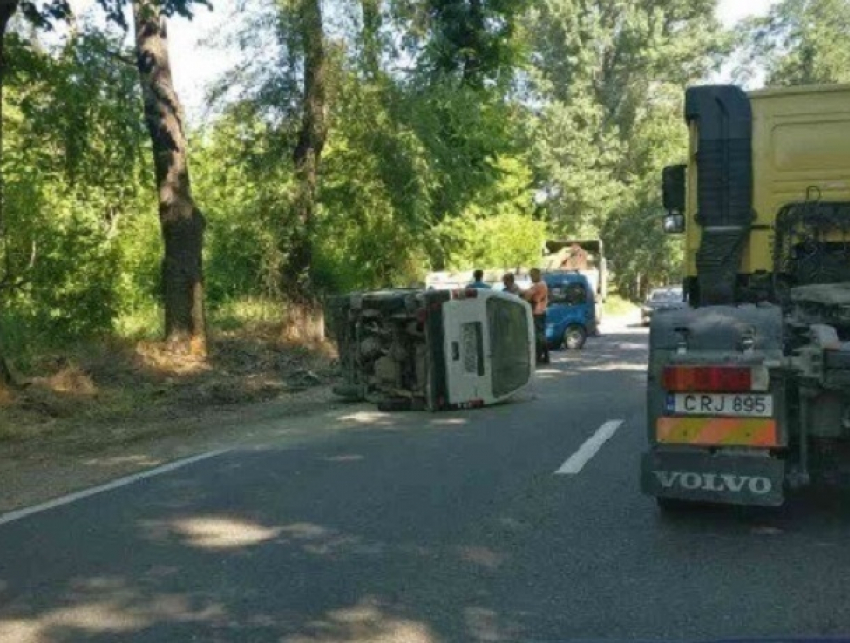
x: 707, y: 378
x: 754, y: 432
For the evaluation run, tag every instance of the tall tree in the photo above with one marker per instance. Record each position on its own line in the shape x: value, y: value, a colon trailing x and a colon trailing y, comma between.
x: 307, y: 154
x: 44, y: 14
x: 606, y: 77
x: 473, y: 39
x: 181, y: 221
x: 7, y: 10
x: 370, y: 37
x: 799, y: 42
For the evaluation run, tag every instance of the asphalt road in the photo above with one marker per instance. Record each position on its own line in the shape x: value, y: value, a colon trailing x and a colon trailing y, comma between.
x: 430, y: 528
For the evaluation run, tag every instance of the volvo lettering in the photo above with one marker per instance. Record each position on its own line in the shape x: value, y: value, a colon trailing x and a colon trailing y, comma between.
x: 692, y: 481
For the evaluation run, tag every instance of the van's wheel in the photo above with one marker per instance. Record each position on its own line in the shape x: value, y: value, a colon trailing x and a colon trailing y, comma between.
x: 574, y: 337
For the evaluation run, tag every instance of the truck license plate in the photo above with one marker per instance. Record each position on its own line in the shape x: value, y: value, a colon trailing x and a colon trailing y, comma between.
x: 729, y: 404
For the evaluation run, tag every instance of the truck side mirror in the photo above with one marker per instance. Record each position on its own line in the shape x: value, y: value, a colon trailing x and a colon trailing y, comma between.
x: 673, y: 188
x: 673, y: 198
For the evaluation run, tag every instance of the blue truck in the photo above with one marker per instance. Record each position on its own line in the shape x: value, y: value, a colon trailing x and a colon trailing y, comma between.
x: 570, y: 317
x: 585, y: 256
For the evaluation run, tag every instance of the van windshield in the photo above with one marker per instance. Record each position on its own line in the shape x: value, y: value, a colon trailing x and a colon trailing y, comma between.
x: 508, y: 326
x: 570, y: 293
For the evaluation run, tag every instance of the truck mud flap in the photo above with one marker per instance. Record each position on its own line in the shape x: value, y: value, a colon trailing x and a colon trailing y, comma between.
x: 703, y: 477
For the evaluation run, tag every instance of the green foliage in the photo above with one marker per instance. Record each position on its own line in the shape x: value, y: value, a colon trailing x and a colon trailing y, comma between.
x: 403, y: 158
x: 73, y: 278
x: 46, y: 13
x: 633, y: 230
x: 244, y: 187
x: 460, y: 134
x: 377, y: 192
x: 473, y: 41
x: 607, y: 85
x: 497, y: 230
x: 799, y: 42
x: 67, y: 196
x: 617, y: 306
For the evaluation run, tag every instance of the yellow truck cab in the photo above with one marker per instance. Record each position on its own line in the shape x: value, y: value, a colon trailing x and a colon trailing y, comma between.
x: 750, y: 384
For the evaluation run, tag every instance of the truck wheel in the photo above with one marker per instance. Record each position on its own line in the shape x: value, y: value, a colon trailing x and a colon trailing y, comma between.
x: 574, y: 337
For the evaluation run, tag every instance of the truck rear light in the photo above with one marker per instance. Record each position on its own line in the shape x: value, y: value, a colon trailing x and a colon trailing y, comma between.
x: 708, y: 379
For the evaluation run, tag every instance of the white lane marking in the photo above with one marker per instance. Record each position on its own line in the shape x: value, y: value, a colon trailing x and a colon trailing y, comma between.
x: 12, y: 516
x: 577, y: 460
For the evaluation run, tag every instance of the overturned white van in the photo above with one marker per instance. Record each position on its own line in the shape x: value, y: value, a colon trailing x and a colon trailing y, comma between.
x: 432, y: 349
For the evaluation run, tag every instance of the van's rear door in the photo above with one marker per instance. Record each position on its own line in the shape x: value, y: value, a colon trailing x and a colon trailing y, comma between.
x: 467, y: 371
x: 481, y: 347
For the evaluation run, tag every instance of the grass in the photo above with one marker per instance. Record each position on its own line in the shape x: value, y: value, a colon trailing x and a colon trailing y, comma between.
x: 131, y: 378
x: 142, y: 323
x: 616, y: 306
x: 233, y: 315
x: 147, y: 323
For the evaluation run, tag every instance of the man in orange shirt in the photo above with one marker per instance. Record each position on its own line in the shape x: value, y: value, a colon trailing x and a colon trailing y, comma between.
x: 538, y: 297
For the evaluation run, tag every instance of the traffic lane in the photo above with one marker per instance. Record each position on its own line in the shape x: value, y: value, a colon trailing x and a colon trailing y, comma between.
x: 400, y: 526
x: 616, y: 567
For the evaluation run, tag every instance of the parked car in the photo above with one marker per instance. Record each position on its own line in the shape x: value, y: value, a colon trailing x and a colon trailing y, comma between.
x: 570, y: 317
x: 661, y: 299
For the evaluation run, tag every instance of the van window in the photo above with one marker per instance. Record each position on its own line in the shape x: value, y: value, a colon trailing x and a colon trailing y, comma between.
x: 473, y: 348
x: 508, y: 325
x: 571, y: 293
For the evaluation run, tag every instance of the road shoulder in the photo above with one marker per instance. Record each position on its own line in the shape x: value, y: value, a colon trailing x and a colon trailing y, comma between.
x: 36, y: 471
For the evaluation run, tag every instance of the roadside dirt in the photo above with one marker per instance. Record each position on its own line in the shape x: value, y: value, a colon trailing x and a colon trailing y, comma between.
x: 111, y: 409
x: 34, y: 473
x: 116, y: 411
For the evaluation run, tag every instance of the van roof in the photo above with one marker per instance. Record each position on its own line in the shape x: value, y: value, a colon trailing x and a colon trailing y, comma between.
x: 566, y: 275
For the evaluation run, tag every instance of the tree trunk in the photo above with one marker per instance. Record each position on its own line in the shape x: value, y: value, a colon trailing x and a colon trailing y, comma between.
x: 181, y: 222
x: 475, y: 28
x: 371, y: 37
x: 7, y: 10
x: 308, y: 151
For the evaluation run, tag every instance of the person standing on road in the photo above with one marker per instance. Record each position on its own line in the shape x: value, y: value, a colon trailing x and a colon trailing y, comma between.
x: 509, y: 283
x: 477, y: 280
x: 538, y: 297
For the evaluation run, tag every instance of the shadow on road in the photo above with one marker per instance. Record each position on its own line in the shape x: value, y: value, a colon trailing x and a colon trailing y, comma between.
x: 347, y: 541
x: 817, y: 508
x: 352, y: 565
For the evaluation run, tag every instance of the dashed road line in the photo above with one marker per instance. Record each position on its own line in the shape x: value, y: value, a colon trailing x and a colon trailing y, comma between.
x: 575, y: 463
